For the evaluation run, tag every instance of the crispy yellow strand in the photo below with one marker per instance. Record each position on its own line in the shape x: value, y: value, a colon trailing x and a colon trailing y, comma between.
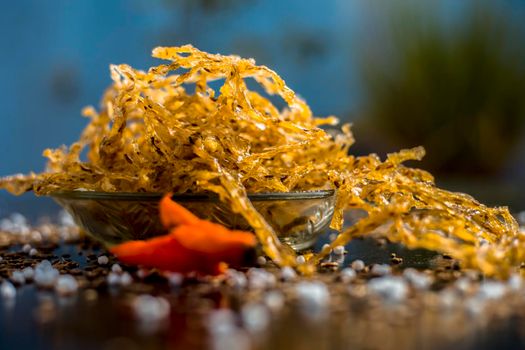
x: 192, y: 125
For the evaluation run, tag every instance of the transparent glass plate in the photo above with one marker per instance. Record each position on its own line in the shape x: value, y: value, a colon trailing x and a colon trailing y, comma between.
x: 297, y: 217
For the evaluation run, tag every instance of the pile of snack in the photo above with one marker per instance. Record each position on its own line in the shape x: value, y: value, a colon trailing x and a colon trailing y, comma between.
x: 194, y: 126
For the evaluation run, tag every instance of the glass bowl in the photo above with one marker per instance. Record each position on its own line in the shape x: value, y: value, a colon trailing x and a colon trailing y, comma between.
x: 297, y: 217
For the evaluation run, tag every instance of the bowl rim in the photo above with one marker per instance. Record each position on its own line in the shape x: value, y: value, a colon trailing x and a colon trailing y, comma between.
x: 188, y: 197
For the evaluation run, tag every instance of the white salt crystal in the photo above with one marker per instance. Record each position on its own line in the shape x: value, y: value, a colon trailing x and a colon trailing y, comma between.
x: 45, y: 275
x: 339, y: 250
x: 66, y: 285
x: 17, y: 277
x: 7, y: 290
x: 149, y: 308
x: 261, y: 260
x: 274, y: 300
x: 288, y: 274
x: 103, y: 260
x: 175, y: 279
x: 116, y: 268
x: 381, y: 269
x: 492, y: 290
x: 300, y: 259
x: 347, y: 275
x: 358, y: 265
x: 113, y: 279
x: 29, y: 273
x: 390, y: 288
x: 260, y: 278
x: 255, y: 317
x: 417, y: 279
x: 313, y: 298
x: 125, y: 279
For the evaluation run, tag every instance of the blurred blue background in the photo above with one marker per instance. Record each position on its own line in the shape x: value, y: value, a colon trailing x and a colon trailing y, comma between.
x: 449, y: 75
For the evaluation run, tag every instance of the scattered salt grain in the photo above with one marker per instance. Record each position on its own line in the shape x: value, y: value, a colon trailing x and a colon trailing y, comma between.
x: 46, y: 231
x: 113, y: 279
x: 274, y: 300
x: 260, y: 278
x: 463, y: 285
x: 236, y: 279
x: 148, y: 308
x: 261, y: 260
x: 44, y: 265
x: 26, y: 248
x: 492, y: 290
x: 447, y: 299
x: 142, y: 273
x: 339, y: 250
x: 474, y: 306
x: 417, y: 279
x: 45, y: 274
x: 125, y: 279
x: 337, y: 259
x: 381, y: 269
x: 391, y: 288
x: 17, y: 277
x: 116, y: 268
x: 313, y: 297
x: 288, y: 274
x: 103, y: 260
x: 255, y: 317
x: 358, y: 265
x: 225, y: 334
x: 33, y: 252
x: 66, y: 285
x: 300, y: 259
x: 515, y: 282
x: 7, y: 290
x: 221, y: 321
x: 347, y: 275
x: 36, y: 236
x: 18, y: 219
x: 175, y: 279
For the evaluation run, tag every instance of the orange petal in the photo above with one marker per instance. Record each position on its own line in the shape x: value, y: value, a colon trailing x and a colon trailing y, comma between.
x: 162, y: 252
x: 193, y: 245
x: 173, y: 214
x: 214, y: 239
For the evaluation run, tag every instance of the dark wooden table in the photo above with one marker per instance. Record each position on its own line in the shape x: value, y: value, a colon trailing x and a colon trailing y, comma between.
x: 99, y: 316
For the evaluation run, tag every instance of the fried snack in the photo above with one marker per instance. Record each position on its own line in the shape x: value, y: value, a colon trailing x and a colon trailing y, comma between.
x: 170, y: 130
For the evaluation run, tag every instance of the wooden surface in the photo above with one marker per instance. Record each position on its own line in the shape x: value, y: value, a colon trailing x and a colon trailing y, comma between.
x: 99, y: 316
